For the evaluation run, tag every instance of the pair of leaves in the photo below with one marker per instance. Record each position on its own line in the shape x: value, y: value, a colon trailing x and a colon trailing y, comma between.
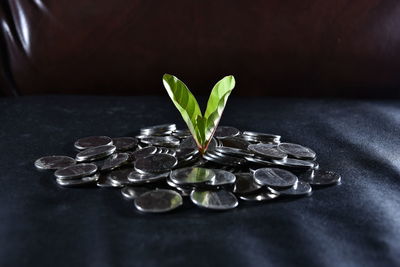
x: 201, y: 126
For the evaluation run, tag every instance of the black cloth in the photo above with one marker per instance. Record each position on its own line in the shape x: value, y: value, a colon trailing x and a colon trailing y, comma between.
x: 354, y: 224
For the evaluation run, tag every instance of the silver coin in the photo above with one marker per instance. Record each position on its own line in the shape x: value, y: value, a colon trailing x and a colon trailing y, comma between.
x: 184, y: 190
x: 54, y: 162
x: 215, y: 200
x: 261, y: 136
x: 168, y: 141
x: 92, y: 141
x: 191, y: 175
x: 181, y: 134
x: 236, y: 152
x: 158, y: 129
x: 163, y: 150
x: 184, y: 153
x: 95, y: 153
x: 135, y: 177
x: 130, y: 192
x: 260, y: 161
x: 105, y: 182
x: 297, y: 151
x: 119, y: 176
x: 235, y: 142
x: 294, y: 163
x: 222, y: 178
x: 268, y: 151
x: 76, y: 171
x: 79, y: 181
x: 191, y: 160
x: 125, y: 143
x: 143, y: 152
x: 321, y: 178
x: 157, y: 163
x: 306, y: 176
x: 226, y: 131
x: 245, y: 184
x: 160, y: 200
x: 274, y: 177
x: 223, y: 159
x: 191, y: 143
x: 300, y: 188
x: 115, y: 161
x: 261, y: 196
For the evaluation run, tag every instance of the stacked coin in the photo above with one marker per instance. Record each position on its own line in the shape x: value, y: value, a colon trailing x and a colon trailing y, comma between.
x: 161, y: 166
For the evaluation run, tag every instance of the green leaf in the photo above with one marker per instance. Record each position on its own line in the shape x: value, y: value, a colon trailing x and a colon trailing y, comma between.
x: 225, y: 85
x: 185, y: 102
x: 213, y: 119
x: 201, y: 127
x: 216, y: 105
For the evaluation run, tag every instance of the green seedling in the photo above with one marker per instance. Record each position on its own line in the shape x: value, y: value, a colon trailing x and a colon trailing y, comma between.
x: 202, y: 127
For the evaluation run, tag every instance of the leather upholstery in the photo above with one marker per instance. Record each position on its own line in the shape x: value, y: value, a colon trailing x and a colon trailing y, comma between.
x: 307, y: 48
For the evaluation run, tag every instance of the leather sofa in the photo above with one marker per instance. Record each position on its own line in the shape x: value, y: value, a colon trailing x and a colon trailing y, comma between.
x: 281, y: 48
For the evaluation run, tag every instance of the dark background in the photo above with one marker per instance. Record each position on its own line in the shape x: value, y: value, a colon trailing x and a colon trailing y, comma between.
x: 307, y: 48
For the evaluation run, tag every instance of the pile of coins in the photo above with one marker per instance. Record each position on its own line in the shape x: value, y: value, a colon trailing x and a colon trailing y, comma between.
x: 161, y: 166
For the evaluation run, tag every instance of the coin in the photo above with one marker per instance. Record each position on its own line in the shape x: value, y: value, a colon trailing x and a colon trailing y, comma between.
x: 79, y: 181
x: 222, y: 178
x: 160, y: 200
x: 152, y: 130
x: 125, y: 143
x: 76, y: 171
x: 261, y: 196
x: 130, y: 192
x: 260, y: 161
x: 321, y: 178
x: 168, y: 141
x: 300, y: 188
x: 184, y: 153
x: 169, y: 160
x: 226, y: 131
x: 95, y: 153
x: 294, y: 164
x: 236, y: 152
x: 119, y: 176
x: 157, y: 163
x: 297, y: 151
x: 135, y: 177
x: 143, y: 152
x: 215, y: 200
x: 53, y: 162
x: 191, y: 143
x: 267, y: 151
x: 274, y: 177
x: 181, y: 134
x: 223, y: 159
x: 105, y: 181
x: 260, y: 137
x: 235, y: 142
x: 92, y: 141
x: 245, y: 184
x: 188, y: 143
x: 115, y: 161
x: 191, y: 175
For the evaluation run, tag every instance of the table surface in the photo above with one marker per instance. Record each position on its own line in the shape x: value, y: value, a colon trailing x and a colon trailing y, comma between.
x: 356, y: 223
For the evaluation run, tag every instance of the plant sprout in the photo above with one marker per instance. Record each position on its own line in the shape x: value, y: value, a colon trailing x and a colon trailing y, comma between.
x: 202, y: 127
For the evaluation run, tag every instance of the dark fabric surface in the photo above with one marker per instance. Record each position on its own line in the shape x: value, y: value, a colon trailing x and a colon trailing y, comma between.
x: 354, y: 224
x: 284, y: 48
